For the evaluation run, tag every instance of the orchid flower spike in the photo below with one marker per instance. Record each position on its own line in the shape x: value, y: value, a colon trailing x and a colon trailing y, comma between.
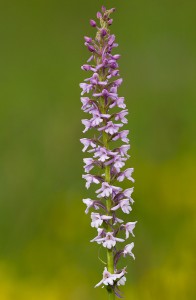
x: 107, y: 144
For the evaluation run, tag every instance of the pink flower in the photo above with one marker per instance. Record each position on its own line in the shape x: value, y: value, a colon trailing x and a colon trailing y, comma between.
x: 108, y: 278
x: 101, y: 233
x: 127, y: 193
x: 90, y: 203
x: 85, y: 88
x: 111, y: 128
x: 124, y: 205
x: 128, y: 250
x: 123, y: 150
x: 98, y: 219
x: 87, y: 124
x: 106, y: 190
x: 109, y: 240
x: 90, y: 179
x: 122, y: 135
x: 89, y: 164
x: 87, y: 143
x: 129, y: 228
x: 126, y: 174
x: 96, y: 120
x: 118, y: 102
x: 117, y: 161
x: 121, y: 116
x: 102, y: 153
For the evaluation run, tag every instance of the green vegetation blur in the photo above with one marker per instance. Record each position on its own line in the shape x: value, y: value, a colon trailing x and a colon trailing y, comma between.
x: 45, y: 252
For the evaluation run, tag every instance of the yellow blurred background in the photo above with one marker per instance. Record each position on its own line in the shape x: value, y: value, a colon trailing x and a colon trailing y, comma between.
x: 45, y: 252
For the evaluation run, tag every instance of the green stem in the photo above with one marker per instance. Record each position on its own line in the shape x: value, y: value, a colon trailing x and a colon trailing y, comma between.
x: 111, y: 295
x: 110, y: 257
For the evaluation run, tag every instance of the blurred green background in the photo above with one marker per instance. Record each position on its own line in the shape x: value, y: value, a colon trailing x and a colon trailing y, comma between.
x: 45, y: 252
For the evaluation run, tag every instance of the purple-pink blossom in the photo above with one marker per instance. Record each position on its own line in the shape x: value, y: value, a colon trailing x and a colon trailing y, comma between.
x: 129, y: 228
x: 128, y: 250
x: 126, y: 174
x: 90, y: 179
x: 109, y: 240
x: 87, y: 142
x: 90, y: 203
x: 124, y: 205
x: 97, y: 219
x: 108, y: 278
x: 106, y: 190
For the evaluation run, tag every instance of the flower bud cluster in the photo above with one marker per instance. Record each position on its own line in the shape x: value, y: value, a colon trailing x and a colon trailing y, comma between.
x: 108, y: 147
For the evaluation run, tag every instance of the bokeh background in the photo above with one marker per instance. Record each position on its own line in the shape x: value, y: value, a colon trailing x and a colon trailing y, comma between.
x: 45, y: 252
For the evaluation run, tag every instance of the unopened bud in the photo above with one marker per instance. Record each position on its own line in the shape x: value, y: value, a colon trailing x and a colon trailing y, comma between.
x: 88, y: 39
x: 93, y: 23
x: 103, y: 9
x: 103, y: 32
x: 110, y: 21
x: 91, y: 48
x: 99, y: 15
